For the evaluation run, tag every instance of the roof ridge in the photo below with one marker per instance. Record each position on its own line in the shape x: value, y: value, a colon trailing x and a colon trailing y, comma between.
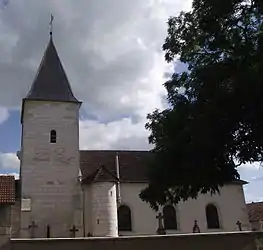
x: 113, y: 150
x: 39, y: 67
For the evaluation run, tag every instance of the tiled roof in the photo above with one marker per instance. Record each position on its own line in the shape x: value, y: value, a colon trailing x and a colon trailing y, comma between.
x: 255, y: 211
x: 7, y: 189
x: 132, y: 164
x: 51, y: 82
x: 101, y: 174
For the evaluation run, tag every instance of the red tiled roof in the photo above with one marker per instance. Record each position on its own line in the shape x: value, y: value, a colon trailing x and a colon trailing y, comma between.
x: 255, y: 211
x: 7, y: 189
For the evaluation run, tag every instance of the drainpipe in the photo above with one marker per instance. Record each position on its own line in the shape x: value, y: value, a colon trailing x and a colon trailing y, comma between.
x: 118, y: 182
x: 83, y: 211
x: 83, y: 202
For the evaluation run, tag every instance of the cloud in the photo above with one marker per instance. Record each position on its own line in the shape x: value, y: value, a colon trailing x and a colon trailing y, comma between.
x: 254, y: 165
x: 8, y: 163
x: 4, y: 114
x: 111, y: 51
x: 3, y: 3
x: 112, y: 54
x: 121, y: 134
x: 253, y: 174
x: 16, y: 175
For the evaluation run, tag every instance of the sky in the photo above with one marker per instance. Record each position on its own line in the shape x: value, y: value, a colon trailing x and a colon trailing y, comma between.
x: 112, y: 54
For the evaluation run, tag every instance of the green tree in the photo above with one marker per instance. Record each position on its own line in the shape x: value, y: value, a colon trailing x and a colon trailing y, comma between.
x: 214, y: 121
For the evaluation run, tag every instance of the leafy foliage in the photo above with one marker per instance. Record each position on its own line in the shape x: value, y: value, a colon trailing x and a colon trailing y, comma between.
x: 215, y: 117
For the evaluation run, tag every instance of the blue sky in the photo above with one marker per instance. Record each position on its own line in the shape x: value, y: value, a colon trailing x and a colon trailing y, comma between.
x: 114, y: 63
x: 10, y: 133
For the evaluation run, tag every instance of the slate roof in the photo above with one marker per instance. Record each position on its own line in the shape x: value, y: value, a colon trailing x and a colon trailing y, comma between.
x: 51, y: 82
x: 132, y: 164
x: 255, y: 211
x: 7, y: 189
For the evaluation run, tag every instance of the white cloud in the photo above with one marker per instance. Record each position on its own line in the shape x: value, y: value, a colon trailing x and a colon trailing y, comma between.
x: 4, y: 114
x: 111, y: 50
x: 255, y: 165
x: 16, y: 175
x: 112, y: 54
x: 253, y: 173
x: 121, y: 134
x: 8, y: 162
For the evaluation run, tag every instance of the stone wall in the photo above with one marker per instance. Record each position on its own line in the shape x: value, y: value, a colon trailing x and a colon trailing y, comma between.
x: 215, y: 241
x: 4, y: 242
x: 49, y: 171
x: 5, y: 216
x: 5, y: 223
x: 15, y: 219
x: 10, y: 219
x: 257, y: 225
x: 9, y: 222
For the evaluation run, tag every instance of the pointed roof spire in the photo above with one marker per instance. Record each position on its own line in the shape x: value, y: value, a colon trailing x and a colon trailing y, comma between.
x: 51, y: 82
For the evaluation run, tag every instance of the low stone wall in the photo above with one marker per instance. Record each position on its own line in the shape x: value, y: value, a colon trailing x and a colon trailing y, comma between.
x: 4, y: 241
x: 214, y: 241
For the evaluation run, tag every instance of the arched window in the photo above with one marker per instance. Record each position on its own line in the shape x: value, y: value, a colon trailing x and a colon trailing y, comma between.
x: 169, y: 217
x: 53, y: 136
x: 212, y: 216
x: 124, y: 218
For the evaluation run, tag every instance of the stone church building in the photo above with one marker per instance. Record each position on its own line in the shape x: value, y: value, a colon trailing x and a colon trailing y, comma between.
x: 65, y: 192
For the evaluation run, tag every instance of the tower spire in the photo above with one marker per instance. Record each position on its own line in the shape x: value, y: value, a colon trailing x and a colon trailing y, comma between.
x: 51, y: 82
x: 51, y: 25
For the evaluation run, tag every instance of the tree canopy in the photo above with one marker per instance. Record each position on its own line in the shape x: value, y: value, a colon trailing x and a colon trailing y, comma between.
x: 214, y: 121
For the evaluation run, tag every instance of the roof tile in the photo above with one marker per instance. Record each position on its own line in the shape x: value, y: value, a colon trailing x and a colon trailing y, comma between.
x: 132, y: 164
x: 255, y: 211
x: 7, y: 189
x: 100, y: 175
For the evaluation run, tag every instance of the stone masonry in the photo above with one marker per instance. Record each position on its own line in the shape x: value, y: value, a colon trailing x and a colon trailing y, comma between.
x: 49, y: 172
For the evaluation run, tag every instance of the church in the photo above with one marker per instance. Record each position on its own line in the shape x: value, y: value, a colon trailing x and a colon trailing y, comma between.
x: 67, y: 192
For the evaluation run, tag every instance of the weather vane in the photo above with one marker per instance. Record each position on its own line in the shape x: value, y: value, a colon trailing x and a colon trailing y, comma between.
x: 51, y: 24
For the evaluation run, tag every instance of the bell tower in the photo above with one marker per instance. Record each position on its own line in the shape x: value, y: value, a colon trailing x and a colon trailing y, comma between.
x: 49, y: 156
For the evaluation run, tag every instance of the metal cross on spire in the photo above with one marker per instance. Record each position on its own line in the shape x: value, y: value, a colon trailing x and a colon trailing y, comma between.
x: 51, y: 25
